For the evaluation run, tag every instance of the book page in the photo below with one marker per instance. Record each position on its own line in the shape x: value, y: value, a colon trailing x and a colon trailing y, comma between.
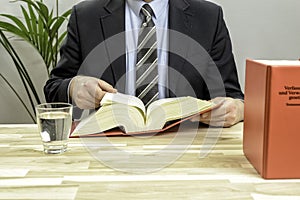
x: 127, y: 118
x: 280, y: 62
x: 110, y: 98
x: 164, y: 110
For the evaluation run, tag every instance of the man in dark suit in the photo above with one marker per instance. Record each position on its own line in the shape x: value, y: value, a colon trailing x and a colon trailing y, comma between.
x: 199, y: 60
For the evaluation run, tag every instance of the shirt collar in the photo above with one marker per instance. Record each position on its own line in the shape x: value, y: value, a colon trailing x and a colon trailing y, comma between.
x: 157, y: 6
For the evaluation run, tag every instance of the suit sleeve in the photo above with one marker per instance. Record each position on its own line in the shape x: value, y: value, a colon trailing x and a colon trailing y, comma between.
x: 223, y: 57
x: 56, y: 88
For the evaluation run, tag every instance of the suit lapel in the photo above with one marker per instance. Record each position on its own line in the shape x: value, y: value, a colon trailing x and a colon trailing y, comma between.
x: 112, y: 21
x: 179, y: 25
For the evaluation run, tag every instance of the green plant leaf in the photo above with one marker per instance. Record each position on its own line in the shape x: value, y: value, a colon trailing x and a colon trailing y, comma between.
x: 33, y: 22
x: 61, y: 38
x: 43, y: 10
x: 29, y: 26
x: 61, y: 19
x: 12, y: 29
x: 18, y: 22
x: 40, y: 35
x: 58, y: 21
x: 50, y: 18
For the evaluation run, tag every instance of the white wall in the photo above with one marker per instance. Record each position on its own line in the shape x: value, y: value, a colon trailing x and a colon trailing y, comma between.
x: 260, y: 29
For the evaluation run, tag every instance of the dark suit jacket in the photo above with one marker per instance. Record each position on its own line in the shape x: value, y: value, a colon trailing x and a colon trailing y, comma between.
x: 201, y: 62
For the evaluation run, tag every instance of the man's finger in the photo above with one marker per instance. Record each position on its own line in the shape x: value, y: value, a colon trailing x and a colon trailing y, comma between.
x: 106, y: 86
x: 99, y: 94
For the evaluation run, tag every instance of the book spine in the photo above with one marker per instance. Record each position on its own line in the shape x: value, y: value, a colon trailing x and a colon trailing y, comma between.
x: 254, y: 115
x: 267, y: 111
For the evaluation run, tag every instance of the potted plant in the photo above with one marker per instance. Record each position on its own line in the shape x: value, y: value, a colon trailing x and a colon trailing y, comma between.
x: 40, y: 27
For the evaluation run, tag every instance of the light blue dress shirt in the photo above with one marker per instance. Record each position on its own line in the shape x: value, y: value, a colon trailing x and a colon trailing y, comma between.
x: 133, y: 22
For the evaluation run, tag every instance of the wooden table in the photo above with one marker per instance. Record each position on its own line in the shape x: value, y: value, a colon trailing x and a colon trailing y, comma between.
x: 27, y: 173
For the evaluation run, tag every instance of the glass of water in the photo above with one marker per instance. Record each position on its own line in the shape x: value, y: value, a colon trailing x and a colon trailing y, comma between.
x: 54, y: 123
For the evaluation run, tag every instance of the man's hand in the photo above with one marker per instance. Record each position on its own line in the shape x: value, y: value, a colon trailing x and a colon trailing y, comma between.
x: 87, y: 92
x: 230, y: 112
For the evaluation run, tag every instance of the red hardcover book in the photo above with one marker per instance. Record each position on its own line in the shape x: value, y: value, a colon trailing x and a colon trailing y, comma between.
x: 272, y: 118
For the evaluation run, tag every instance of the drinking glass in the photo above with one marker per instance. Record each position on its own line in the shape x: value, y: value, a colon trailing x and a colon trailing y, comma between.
x: 54, y: 123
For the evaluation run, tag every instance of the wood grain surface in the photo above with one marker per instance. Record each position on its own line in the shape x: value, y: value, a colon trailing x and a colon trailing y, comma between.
x: 164, y: 166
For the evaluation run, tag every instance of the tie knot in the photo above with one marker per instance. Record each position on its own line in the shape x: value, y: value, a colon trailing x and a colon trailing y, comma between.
x: 147, y: 11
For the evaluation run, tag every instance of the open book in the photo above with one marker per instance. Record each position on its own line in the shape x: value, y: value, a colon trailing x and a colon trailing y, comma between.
x: 130, y: 115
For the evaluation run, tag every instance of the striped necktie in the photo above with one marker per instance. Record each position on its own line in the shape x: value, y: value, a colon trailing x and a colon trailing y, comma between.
x: 146, y: 67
